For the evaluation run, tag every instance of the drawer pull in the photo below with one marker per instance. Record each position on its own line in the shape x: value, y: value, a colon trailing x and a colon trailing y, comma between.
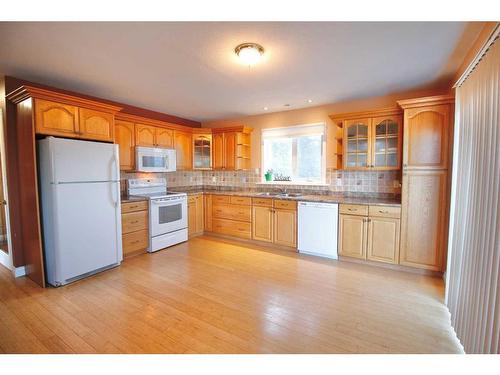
x: 383, y: 212
x: 352, y: 209
x: 134, y: 222
x: 134, y: 242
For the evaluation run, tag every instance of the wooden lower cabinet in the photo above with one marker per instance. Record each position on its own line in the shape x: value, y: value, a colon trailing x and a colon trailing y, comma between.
x: 424, y: 218
x: 383, y: 240
x: 372, y: 233
x: 135, y: 227
x: 262, y: 223
x: 353, y: 236
x: 274, y: 221
x: 195, y: 215
x: 285, y: 227
x: 232, y: 228
x: 207, y: 208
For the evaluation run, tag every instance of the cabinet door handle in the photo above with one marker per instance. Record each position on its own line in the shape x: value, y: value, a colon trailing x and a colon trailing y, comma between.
x: 134, y: 222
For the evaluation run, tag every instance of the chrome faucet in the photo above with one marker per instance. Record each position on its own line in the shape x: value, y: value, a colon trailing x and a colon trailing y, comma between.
x: 283, y: 191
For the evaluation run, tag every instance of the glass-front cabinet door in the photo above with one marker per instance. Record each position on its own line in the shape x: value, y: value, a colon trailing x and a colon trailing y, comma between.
x: 386, y: 142
x: 357, y: 134
x: 202, y: 151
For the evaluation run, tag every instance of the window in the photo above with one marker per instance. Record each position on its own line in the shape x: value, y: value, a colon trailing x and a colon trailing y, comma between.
x: 297, y: 152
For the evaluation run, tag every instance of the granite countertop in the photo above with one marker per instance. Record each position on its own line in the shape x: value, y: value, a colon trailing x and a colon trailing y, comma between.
x: 323, y: 198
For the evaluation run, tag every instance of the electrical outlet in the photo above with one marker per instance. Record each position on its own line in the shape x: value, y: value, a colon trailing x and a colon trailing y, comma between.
x: 339, y: 181
x: 214, y: 179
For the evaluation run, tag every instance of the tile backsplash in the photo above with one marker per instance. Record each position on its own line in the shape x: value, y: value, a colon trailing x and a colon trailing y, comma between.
x: 386, y: 182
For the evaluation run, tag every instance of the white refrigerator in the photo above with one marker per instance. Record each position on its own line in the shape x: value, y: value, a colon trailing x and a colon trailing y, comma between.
x: 80, y: 204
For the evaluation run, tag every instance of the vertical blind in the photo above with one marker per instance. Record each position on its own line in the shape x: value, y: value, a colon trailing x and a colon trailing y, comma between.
x: 473, y: 291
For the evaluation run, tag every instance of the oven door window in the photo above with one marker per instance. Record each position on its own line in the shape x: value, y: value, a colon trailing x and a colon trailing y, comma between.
x: 169, y: 214
x: 154, y: 161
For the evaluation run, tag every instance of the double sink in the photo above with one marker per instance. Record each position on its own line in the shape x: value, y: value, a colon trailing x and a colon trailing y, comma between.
x: 279, y: 195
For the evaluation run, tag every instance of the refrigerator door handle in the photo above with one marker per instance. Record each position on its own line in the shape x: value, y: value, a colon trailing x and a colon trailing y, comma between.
x: 113, y: 191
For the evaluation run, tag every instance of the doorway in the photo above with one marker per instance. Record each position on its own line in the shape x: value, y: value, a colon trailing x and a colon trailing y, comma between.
x: 5, y: 254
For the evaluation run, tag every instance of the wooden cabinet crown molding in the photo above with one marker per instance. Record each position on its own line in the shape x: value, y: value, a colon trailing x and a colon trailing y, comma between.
x: 24, y: 92
x: 390, y: 111
x: 426, y: 101
x: 148, y: 121
x: 237, y: 129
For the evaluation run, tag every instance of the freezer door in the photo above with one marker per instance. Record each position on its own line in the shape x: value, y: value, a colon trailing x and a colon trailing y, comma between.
x: 87, y: 229
x: 76, y: 161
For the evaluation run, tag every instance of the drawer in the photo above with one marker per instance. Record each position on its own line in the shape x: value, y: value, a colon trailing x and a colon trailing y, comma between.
x: 385, y: 211
x: 135, y: 241
x: 134, y: 206
x: 287, y: 205
x: 134, y: 221
x: 221, y: 199
x: 244, y: 201
x: 232, y: 212
x: 263, y: 202
x: 354, y: 209
x: 232, y: 228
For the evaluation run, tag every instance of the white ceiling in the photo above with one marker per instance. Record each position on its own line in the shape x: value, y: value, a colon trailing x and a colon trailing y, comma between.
x: 190, y: 69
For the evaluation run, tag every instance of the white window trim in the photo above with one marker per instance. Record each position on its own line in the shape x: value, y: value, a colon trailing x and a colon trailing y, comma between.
x: 297, y: 129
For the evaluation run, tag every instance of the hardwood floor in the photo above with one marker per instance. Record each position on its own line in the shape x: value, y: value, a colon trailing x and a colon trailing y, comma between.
x: 216, y: 296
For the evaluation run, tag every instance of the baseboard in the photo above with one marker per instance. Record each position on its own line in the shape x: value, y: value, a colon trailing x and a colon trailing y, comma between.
x: 19, y: 271
x: 5, y: 260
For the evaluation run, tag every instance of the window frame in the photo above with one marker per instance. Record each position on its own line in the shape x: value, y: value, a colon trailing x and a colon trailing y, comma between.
x: 295, y: 129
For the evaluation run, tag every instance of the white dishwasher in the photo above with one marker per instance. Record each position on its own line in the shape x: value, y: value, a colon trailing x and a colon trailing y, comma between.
x: 318, y: 229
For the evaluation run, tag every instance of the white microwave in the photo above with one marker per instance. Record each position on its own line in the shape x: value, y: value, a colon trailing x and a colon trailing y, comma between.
x: 154, y: 159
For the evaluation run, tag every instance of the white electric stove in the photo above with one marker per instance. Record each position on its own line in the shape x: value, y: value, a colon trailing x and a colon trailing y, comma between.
x: 167, y: 212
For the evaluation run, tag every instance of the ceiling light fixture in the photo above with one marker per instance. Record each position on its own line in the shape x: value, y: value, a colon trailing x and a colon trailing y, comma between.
x: 249, y: 53
x: 265, y: 108
x: 309, y: 100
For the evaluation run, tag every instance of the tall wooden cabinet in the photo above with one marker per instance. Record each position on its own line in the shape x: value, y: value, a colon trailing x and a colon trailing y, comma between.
x: 428, y: 129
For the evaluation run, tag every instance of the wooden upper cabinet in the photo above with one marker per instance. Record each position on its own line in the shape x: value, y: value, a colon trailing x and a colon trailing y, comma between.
x: 426, y: 137
x: 164, y: 137
x: 183, y: 147
x: 202, y: 151
x: 125, y: 138
x: 369, y: 140
x: 145, y: 135
x: 357, y: 135
x: 52, y: 118
x: 96, y: 125
x: 218, y: 150
x: 230, y: 150
x: 386, y: 142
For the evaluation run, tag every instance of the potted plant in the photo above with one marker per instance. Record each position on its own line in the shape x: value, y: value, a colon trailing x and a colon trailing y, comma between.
x: 269, y: 175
